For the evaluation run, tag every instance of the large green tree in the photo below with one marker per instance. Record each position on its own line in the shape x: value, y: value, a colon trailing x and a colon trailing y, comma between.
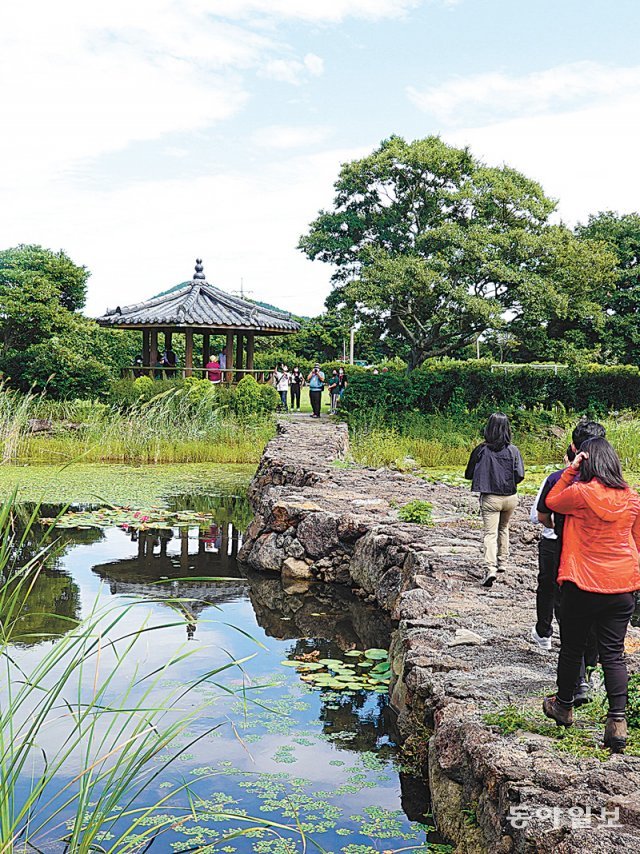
x: 621, y: 235
x: 433, y: 248
x: 44, y: 341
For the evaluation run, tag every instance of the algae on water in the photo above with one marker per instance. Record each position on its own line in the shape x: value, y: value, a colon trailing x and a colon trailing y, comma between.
x: 133, y: 486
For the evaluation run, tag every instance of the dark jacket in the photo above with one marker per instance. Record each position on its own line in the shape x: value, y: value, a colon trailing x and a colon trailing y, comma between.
x: 495, y: 472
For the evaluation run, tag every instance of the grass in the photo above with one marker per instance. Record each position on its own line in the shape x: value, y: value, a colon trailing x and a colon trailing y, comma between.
x: 444, y: 442
x: 584, y: 738
x: 177, y: 426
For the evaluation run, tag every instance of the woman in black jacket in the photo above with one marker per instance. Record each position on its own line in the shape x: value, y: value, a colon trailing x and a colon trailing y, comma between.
x: 495, y: 468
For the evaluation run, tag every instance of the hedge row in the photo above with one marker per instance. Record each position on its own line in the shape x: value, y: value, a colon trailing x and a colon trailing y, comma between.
x: 460, y: 386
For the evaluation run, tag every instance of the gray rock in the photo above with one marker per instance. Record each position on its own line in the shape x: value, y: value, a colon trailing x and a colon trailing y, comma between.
x: 265, y: 554
x: 318, y: 534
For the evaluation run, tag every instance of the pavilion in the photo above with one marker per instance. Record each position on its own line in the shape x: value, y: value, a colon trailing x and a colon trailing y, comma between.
x: 196, y: 307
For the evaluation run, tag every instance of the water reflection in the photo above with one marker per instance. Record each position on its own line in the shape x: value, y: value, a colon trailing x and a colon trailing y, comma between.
x: 53, y: 605
x: 335, y: 738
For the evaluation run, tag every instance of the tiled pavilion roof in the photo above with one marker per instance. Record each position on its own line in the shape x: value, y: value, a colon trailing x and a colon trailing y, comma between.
x: 199, y: 304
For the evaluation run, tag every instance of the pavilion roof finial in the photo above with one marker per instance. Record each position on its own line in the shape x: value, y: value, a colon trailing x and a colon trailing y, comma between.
x: 199, y: 273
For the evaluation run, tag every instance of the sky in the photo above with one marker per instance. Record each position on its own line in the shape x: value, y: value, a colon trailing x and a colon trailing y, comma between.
x: 138, y: 135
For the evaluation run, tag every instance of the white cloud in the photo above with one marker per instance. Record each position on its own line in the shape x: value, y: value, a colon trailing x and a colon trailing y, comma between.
x: 315, y: 10
x: 464, y: 99
x: 293, y: 70
x: 288, y: 137
x: 314, y: 64
x: 78, y: 80
x: 585, y: 158
x: 141, y: 239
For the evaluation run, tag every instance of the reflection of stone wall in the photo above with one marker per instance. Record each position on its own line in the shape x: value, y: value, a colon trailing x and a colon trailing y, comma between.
x: 459, y: 651
x: 316, y: 611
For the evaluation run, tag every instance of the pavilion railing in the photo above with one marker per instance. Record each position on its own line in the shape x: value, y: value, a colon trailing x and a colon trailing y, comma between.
x: 229, y: 376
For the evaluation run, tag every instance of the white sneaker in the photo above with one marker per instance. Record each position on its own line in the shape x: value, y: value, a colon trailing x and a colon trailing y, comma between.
x: 543, y: 643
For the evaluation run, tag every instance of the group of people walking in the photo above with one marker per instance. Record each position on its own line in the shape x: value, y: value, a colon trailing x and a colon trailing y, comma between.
x: 588, y: 559
x: 291, y: 382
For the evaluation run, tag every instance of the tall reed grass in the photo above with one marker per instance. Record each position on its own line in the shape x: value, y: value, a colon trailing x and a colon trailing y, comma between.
x: 87, y: 730
x: 174, y: 427
x: 437, y: 441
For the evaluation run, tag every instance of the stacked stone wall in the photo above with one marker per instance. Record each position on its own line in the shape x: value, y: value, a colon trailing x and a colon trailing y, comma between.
x: 459, y: 650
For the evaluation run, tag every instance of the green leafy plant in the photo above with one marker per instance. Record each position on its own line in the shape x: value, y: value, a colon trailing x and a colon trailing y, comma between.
x: 419, y: 512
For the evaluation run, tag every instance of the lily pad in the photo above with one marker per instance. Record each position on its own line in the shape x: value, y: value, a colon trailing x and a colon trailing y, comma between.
x: 354, y: 653
x: 376, y: 654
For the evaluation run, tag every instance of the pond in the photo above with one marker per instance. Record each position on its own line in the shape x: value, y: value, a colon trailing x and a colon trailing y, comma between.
x: 266, y: 760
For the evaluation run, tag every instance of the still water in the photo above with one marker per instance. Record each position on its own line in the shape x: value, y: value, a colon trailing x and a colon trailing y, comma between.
x: 262, y: 746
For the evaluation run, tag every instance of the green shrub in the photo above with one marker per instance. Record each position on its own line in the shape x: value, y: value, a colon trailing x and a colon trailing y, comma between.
x: 417, y: 511
x: 458, y: 387
x: 252, y: 398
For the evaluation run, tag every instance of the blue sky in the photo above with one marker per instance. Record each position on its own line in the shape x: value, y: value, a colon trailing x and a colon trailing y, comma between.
x: 139, y: 134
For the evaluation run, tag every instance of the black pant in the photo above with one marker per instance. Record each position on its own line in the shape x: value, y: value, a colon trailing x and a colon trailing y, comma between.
x: 316, y: 401
x: 295, y: 395
x: 609, y: 613
x: 548, y: 592
x: 548, y: 603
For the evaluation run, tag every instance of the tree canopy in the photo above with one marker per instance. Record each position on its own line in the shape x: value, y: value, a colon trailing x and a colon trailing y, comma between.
x: 621, y: 235
x: 433, y: 248
x: 44, y: 340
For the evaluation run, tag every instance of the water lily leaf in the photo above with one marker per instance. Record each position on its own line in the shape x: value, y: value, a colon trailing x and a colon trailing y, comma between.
x: 355, y: 653
x: 331, y: 662
x: 289, y: 663
x: 376, y: 654
x: 365, y: 664
x: 310, y: 665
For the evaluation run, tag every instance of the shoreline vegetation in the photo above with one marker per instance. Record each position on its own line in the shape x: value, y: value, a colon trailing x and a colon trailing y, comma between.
x: 193, y: 423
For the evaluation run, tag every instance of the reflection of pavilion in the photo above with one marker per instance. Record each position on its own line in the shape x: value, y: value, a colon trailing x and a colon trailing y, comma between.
x: 168, y: 566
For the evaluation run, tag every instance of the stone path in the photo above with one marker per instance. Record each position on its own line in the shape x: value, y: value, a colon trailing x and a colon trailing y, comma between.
x: 460, y: 650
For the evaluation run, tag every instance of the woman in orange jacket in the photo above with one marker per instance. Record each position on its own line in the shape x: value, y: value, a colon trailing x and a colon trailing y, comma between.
x: 598, y: 575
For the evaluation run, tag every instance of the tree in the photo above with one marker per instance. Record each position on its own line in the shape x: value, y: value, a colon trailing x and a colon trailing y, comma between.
x: 621, y: 235
x: 434, y: 248
x: 44, y: 341
x: 28, y: 263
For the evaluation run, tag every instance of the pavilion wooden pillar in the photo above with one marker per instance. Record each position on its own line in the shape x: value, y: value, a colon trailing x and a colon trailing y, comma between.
x: 250, y: 350
x: 146, y: 355
x: 206, y: 349
x: 153, y: 350
x: 239, y: 352
x: 168, y: 340
x: 229, y: 351
x: 188, y: 352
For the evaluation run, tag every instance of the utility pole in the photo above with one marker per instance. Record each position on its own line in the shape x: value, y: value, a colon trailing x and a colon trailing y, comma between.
x: 352, y: 335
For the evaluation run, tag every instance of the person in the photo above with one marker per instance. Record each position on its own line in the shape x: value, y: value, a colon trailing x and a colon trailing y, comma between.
x: 598, y: 576
x: 549, y: 551
x: 159, y: 367
x: 316, y: 387
x: 342, y: 381
x: 283, y: 379
x: 170, y: 362
x: 214, y: 373
x: 334, y: 392
x: 296, y: 381
x: 138, y: 364
x: 495, y: 468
